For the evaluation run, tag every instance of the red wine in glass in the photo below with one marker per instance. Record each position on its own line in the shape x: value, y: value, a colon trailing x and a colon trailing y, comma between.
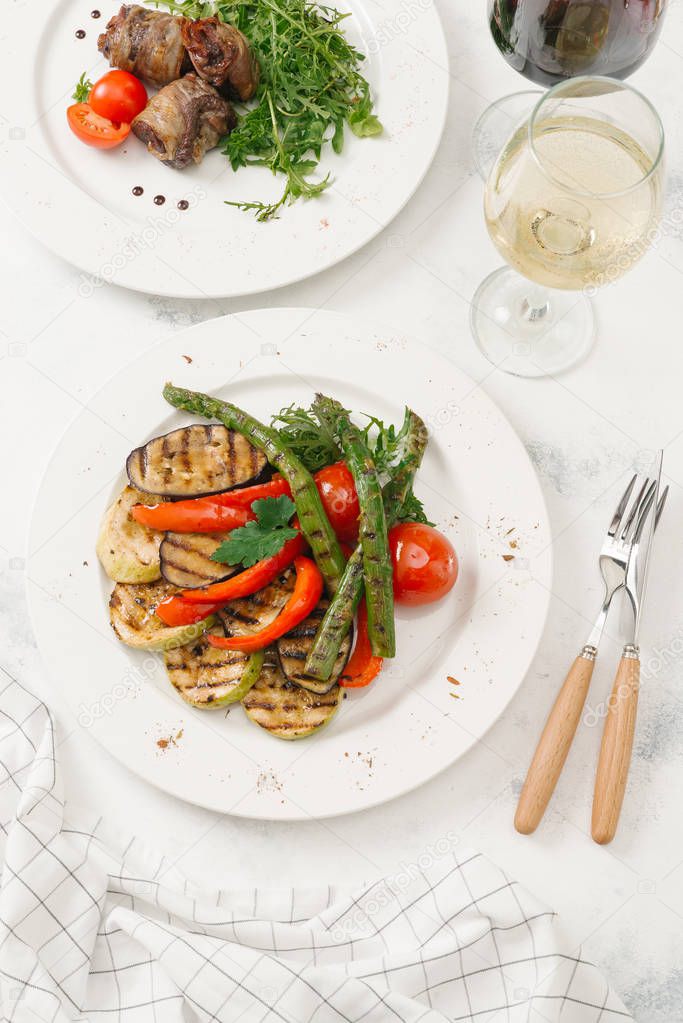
x: 548, y: 40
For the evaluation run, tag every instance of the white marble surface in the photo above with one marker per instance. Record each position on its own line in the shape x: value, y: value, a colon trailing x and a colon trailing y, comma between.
x: 584, y: 431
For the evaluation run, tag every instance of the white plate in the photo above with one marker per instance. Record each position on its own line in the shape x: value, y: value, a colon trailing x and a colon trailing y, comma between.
x: 78, y: 200
x: 477, y: 484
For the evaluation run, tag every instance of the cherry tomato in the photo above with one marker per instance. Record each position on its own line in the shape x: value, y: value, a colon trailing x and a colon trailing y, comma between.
x: 94, y: 130
x: 118, y: 96
x: 340, y: 500
x: 424, y: 562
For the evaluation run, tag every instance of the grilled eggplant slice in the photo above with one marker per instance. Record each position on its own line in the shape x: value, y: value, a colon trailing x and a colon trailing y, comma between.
x: 294, y: 648
x: 195, y: 461
x: 128, y: 551
x: 208, y: 677
x: 247, y: 615
x: 285, y: 709
x: 131, y: 611
x: 186, y: 559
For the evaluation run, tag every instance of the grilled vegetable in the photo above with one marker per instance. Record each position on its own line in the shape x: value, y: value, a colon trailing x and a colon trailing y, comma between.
x: 372, y: 532
x: 307, y: 591
x: 128, y: 551
x: 293, y: 649
x: 245, y: 616
x: 207, y: 677
x: 193, y: 461
x: 363, y: 666
x: 284, y: 709
x: 131, y: 611
x: 186, y: 559
x: 337, y: 621
x: 252, y: 579
x: 314, y: 523
x: 178, y: 611
x: 212, y: 516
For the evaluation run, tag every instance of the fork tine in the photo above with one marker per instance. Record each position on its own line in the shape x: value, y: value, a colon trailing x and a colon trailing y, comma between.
x: 643, y: 511
x: 621, y: 508
x: 660, y: 506
x: 634, y: 509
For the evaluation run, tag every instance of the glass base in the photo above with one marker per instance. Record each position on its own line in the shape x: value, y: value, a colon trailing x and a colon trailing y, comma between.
x: 495, y: 126
x: 530, y: 331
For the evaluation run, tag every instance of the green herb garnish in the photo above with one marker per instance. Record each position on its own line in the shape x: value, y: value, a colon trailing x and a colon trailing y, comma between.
x: 310, y: 89
x: 412, y: 510
x: 82, y: 89
x: 311, y: 439
x: 262, y: 538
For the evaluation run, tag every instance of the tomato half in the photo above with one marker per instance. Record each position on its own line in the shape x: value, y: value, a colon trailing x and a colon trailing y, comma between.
x: 118, y: 96
x: 424, y: 562
x: 338, y: 493
x: 94, y: 130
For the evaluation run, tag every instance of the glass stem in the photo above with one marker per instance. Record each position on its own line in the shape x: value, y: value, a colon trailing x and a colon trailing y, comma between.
x: 536, y: 305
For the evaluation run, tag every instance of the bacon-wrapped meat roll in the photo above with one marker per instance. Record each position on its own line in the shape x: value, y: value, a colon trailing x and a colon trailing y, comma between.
x: 221, y: 56
x: 183, y: 121
x: 147, y: 43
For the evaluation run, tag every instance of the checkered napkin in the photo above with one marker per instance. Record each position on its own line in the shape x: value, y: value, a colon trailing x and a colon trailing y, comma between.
x: 90, y: 929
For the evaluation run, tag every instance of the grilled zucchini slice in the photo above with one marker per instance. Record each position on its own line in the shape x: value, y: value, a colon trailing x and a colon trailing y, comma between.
x: 285, y: 709
x: 294, y: 648
x: 186, y: 559
x: 128, y: 551
x: 131, y: 612
x: 247, y: 615
x: 195, y: 461
x: 206, y: 676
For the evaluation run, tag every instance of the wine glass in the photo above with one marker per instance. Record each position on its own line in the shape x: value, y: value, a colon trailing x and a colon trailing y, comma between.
x: 551, y: 40
x: 571, y: 203
x: 548, y: 40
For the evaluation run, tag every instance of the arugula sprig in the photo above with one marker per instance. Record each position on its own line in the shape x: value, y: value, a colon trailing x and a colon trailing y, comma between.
x: 310, y: 434
x: 82, y: 89
x: 310, y: 89
x: 262, y: 538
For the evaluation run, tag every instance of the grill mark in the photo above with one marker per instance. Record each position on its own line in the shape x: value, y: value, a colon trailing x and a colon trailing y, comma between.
x: 239, y: 616
x: 253, y: 459
x: 188, y: 570
x: 295, y: 654
x: 302, y: 632
x: 184, y: 450
x: 232, y: 461
x: 195, y: 666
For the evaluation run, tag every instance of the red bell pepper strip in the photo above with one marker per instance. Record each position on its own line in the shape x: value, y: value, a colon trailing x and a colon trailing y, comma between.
x: 212, y: 514
x: 196, y: 516
x: 176, y: 611
x: 245, y: 496
x: 307, y: 591
x: 362, y: 666
x: 252, y: 579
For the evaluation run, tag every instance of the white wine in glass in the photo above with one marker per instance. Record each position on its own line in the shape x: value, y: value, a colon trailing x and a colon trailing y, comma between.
x: 571, y: 203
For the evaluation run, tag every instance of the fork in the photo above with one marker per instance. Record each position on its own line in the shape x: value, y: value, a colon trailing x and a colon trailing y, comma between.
x: 563, y: 720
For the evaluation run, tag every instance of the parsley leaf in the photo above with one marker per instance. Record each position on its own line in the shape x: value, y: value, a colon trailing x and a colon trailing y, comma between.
x: 262, y: 538
x: 82, y: 89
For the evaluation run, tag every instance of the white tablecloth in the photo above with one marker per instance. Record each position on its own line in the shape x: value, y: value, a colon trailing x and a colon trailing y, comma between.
x: 93, y: 926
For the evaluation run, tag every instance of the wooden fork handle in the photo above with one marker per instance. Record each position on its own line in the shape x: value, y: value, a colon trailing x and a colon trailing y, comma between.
x: 615, y: 751
x: 553, y: 746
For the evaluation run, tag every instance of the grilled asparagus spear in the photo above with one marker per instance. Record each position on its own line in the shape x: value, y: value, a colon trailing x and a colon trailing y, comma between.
x: 337, y: 621
x: 314, y: 523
